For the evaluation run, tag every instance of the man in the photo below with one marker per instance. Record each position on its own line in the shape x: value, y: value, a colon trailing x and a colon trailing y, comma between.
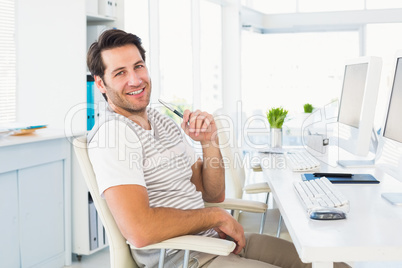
x: 153, y: 184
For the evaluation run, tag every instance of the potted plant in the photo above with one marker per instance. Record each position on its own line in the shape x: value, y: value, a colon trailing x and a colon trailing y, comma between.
x: 308, y: 108
x: 276, y: 118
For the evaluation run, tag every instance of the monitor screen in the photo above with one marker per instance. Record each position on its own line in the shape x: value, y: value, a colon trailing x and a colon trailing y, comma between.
x: 357, y: 105
x: 354, y: 83
x: 393, y: 125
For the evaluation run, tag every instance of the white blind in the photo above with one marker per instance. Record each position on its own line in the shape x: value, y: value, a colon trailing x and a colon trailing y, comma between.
x: 8, y: 79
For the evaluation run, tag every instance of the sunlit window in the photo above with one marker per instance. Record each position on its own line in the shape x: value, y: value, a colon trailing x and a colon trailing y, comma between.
x: 177, y: 68
x: 210, y: 56
x: 290, y: 70
x: 384, y: 41
x: 176, y: 52
x: 136, y: 24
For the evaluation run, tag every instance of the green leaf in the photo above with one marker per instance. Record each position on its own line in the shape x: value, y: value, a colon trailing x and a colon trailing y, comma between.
x: 276, y: 117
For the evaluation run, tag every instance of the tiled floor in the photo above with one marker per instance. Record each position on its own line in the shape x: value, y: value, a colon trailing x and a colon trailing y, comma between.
x: 100, y: 259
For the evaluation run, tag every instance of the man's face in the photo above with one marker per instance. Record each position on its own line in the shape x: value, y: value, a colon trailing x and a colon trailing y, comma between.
x: 126, y: 81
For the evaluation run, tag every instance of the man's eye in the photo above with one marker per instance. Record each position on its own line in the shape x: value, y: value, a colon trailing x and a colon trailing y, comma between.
x: 139, y: 66
x: 119, y: 73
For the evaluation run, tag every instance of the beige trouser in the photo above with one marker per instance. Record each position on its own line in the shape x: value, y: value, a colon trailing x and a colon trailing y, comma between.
x: 260, y: 251
x: 264, y: 251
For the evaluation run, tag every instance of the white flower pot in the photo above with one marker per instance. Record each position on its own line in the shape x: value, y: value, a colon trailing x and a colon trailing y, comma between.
x: 276, y: 137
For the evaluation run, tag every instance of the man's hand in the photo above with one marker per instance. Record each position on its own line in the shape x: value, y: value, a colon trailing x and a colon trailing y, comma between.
x: 230, y: 227
x: 200, y: 126
x: 208, y: 172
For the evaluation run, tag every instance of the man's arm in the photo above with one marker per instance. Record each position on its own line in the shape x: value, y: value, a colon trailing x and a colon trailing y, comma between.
x: 209, y: 173
x: 142, y: 225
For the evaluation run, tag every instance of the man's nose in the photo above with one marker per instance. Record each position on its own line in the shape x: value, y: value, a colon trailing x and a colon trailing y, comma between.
x: 134, y: 79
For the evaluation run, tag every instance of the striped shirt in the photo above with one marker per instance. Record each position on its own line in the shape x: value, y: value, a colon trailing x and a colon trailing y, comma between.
x: 122, y: 153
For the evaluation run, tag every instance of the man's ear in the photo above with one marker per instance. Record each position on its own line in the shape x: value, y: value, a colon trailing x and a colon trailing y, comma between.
x: 99, y: 84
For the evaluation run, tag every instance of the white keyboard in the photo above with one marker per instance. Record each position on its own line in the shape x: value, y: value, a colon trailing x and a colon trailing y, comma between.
x: 301, y: 161
x: 274, y: 150
x: 320, y: 193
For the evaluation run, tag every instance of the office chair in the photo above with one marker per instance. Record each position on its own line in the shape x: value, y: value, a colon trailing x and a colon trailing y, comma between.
x: 235, y: 172
x: 120, y: 254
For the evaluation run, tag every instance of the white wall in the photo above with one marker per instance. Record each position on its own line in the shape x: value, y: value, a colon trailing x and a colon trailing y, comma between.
x: 51, y: 72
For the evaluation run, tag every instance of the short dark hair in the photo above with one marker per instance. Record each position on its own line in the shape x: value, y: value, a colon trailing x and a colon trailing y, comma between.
x: 110, y: 39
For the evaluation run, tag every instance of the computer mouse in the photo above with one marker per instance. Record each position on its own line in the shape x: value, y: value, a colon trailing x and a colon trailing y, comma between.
x: 327, y: 214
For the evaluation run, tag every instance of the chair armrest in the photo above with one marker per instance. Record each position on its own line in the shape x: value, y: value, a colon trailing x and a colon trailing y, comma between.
x: 257, y: 188
x: 240, y: 204
x: 257, y: 168
x: 198, y: 243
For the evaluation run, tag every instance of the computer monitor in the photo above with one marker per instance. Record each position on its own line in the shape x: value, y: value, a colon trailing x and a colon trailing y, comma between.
x: 392, y: 129
x: 357, y: 106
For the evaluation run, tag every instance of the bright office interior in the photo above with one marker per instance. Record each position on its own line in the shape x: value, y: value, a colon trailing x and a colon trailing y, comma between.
x: 245, y: 56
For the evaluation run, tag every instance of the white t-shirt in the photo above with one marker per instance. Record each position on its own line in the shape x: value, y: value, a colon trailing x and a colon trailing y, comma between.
x: 116, y: 155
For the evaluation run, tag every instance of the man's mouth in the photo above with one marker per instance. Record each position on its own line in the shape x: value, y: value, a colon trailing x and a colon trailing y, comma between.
x: 136, y: 92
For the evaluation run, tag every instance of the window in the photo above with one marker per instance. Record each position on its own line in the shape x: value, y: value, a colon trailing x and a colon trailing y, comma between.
x: 292, y: 69
x: 190, y: 54
x: 384, y: 41
x: 8, y: 79
x: 210, y: 56
x: 176, y: 64
x: 136, y: 24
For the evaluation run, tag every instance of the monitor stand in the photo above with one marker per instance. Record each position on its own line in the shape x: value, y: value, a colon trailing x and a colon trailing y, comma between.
x: 356, y: 163
x: 350, y: 163
x: 393, y: 198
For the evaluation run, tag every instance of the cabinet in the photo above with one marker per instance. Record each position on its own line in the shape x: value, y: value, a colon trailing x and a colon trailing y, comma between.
x: 9, y: 220
x: 35, y: 202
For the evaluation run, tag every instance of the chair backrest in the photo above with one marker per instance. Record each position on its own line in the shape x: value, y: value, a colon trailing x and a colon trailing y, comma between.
x: 120, y: 253
x: 235, y: 175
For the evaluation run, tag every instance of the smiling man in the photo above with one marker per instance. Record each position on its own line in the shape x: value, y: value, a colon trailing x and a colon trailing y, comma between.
x: 149, y: 175
x: 131, y: 89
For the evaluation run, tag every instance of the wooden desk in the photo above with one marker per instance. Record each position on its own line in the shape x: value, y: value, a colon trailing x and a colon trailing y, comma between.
x: 373, y: 228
